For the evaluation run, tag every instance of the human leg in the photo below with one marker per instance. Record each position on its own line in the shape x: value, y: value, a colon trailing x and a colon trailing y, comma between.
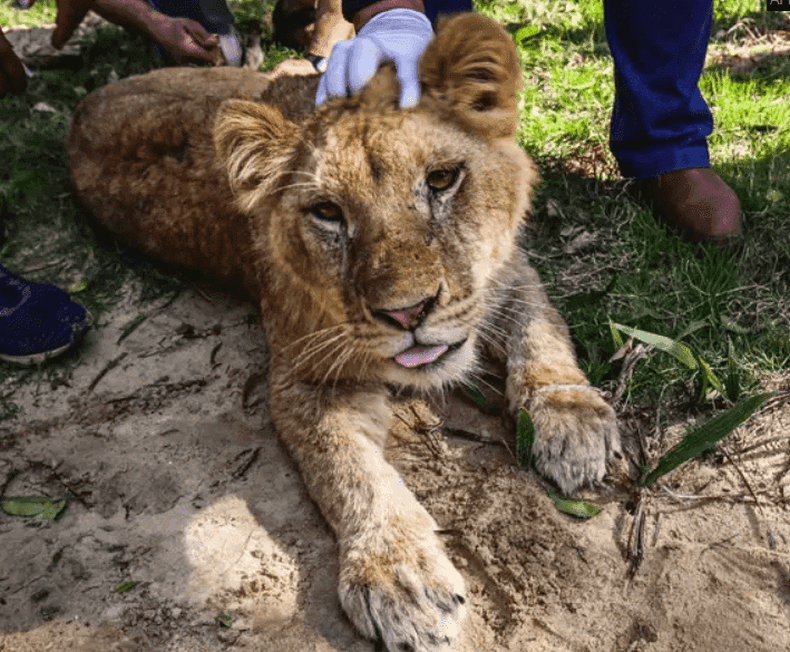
x: 660, y: 120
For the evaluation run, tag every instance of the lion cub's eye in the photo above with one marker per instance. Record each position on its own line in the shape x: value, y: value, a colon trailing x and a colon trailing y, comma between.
x: 439, y: 180
x: 327, y: 211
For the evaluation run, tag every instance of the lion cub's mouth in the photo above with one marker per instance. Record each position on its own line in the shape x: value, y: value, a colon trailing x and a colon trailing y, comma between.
x: 423, y: 354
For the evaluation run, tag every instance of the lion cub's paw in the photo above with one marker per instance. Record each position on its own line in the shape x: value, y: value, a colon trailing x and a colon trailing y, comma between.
x: 575, y: 435
x: 400, y: 587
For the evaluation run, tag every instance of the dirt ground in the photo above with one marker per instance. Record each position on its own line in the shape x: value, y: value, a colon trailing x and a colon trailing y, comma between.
x: 178, y: 483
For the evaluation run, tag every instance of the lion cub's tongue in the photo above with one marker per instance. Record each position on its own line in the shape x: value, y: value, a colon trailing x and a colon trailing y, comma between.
x: 421, y: 354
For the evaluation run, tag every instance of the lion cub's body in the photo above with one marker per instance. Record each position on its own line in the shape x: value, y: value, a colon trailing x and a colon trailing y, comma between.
x: 381, y: 245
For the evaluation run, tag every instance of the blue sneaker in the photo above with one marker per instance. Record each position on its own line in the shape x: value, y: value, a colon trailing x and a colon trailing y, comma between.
x: 38, y: 321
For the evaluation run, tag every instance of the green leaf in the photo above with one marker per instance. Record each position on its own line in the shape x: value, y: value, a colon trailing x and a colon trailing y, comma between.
x: 123, y: 588
x: 79, y: 286
x: 699, y: 439
x: 679, y: 351
x: 525, y: 438
x: 39, y: 507
x: 526, y: 32
x: 225, y: 619
x: 693, y: 327
x: 574, y: 506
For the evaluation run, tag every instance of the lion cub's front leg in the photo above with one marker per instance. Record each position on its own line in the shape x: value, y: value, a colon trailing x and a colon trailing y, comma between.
x: 396, y: 582
x: 575, y: 429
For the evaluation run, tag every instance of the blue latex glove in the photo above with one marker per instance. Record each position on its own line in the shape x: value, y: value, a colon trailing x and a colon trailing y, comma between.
x: 398, y: 34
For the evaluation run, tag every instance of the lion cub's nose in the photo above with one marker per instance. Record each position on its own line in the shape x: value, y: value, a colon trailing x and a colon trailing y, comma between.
x: 407, y: 318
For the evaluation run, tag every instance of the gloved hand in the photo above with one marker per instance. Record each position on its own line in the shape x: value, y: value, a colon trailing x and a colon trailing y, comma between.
x: 398, y: 34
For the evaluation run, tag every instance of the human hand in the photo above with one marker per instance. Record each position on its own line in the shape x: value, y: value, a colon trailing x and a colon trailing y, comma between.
x: 186, y: 40
x: 69, y: 16
x: 399, y: 34
x: 12, y: 72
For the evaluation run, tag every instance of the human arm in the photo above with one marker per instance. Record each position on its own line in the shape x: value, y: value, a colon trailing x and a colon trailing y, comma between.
x: 187, y: 40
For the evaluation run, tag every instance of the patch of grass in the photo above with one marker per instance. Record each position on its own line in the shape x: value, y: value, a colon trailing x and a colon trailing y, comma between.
x: 568, y: 73
x: 603, y: 256
x: 254, y: 13
x: 41, y: 13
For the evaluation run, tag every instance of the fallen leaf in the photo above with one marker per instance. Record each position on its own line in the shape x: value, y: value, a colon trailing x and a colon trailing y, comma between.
x: 40, y: 508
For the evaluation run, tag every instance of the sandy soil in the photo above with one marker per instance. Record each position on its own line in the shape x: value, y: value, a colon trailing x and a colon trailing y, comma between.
x: 178, y: 483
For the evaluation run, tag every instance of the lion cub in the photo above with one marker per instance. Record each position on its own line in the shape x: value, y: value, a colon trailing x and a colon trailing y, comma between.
x: 382, y: 247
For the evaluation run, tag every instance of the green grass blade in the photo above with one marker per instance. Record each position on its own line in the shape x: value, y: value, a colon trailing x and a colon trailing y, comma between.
x: 699, y: 439
x: 676, y: 349
x: 732, y: 382
x: 524, y: 33
x: 126, y: 586
x: 711, y: 378
x: 130, y: 327
x: 616, y: 337
x: 525, y: 438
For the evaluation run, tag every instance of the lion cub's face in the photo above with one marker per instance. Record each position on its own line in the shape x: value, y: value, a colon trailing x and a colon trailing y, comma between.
x: 382, y: 228
x: 402, y: 221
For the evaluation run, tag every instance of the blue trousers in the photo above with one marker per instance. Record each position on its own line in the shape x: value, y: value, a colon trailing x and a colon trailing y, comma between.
x: 660, y: 120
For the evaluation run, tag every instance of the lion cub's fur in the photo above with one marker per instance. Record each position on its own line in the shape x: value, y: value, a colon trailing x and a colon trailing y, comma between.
x: 372, y: 238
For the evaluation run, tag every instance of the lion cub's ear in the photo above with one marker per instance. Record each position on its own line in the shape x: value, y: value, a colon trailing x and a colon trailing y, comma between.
x: 254, y: 143
x: 470, y: 74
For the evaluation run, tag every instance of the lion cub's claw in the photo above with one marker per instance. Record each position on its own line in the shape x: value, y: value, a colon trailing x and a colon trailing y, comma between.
x: 411, y: 599
x: 575, y: 435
